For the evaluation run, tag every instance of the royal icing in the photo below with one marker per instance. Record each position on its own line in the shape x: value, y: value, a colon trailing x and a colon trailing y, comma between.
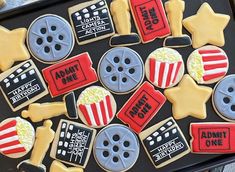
x: 208, y: 64
x: 141, y: 107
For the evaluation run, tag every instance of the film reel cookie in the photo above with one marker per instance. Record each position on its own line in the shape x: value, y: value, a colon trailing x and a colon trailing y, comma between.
x: 223, y: 98
x: 116, y: 148
x: 164, y: 67
x: 164, y: 143
x: 207, y: 64
x: 50, y: 38
x: 96, y: 107
x: 121, y: 70
x: 91, y: 21
x: 73, y: 143
x: 16, y: 137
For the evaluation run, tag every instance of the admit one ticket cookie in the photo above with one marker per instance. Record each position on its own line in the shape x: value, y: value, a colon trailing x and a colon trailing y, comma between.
x: 164, y: 143
x: 22, y: 85
x: 69, y: 75
x: 212, y: 137
x: 150, y: 19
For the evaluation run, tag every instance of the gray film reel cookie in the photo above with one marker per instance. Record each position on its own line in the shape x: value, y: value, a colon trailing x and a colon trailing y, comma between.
x: 50, y: 38
x: 121, y: 70
x: 116, y: 148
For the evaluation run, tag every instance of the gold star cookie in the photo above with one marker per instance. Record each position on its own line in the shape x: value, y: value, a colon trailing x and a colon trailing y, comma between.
x: 207, y: 26
x: 12, y: 47
x: 188, y: 99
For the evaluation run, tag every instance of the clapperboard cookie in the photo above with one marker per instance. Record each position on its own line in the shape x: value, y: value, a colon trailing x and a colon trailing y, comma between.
x: 73, y: 143
x: 164, y: 67
x: 50, y: 38
x: 223, y: 98
x: 164, y: 143
x: 121, y: 70
x: 70, y: 74
x: 16, y: 137
x: 91, y: 21
x: 142, y: 106
x: 150, y: 19
x: 22, y: 85
x: 116, y: 148
x: 212, y: 137
x: 96, y: 106
x: 208, y: 64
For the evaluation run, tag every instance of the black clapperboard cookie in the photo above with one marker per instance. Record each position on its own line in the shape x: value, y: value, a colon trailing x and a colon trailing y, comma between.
x: 164, y: 143
x: 73, y: 143
x: 22, y: 85
x: 91, y: 21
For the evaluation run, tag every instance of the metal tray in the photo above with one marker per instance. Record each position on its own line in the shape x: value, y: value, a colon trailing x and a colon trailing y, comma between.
x: 190, y: 162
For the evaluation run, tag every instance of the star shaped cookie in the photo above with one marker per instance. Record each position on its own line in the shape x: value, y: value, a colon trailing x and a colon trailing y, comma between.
x: 207, y: 26
x: 12, y: 46
x: 188, y: 99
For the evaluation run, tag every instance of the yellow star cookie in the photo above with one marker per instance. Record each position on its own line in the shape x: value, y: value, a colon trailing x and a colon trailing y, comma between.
x: 12, y: 47
x: 188, y: 99
x: 206, y: 26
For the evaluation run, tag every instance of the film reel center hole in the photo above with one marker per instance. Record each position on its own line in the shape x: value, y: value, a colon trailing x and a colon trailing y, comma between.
x: 49, y: 39
x: 39, y: 41
x: 226, y: 100
x: 233, y: 108
x: 120, y: 69
x: 115, y: 159
x: 126, y: 143
x: 43, y: 30
x: 115, y: 148
x: 105, y: 154
x: 127, y: 61
x: 126, y: 154
x: 116, y: 59
x: 116, y: 137
x: 230, y: 89
x: 108, y: 68
x: 106, y: 143
x: 53, y: 28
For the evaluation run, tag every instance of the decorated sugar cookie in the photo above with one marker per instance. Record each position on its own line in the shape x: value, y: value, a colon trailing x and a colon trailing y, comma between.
x: 57, y: 166
x: 116, y: 148
x: 150, y: 19
x: 50, y: 38
x: 96, y: 107
x: 12, y: 46
x: 164, y: 67
x: 212, y: 138
x: 188, y: 99
x: 208, y: 64
x: 22, y: 85
x: 164, y: 143
x: 72, y: 144
x: 142, y: 106
x: 120, y: 12
x: 121, y: 70
x: 223, y: 98
x: 207, y: 26
x: 16, y: 137
x: 91, y: 21
x: 2, y: 3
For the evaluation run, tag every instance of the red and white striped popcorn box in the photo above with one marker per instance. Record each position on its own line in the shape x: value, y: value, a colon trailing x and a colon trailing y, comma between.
x: 16, y: 137
x: 208, y: 64
x: 98, y: 114
x: 164, y: 71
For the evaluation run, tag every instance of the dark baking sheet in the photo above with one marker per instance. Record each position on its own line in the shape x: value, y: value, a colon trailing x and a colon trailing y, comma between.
x: 96, y: 50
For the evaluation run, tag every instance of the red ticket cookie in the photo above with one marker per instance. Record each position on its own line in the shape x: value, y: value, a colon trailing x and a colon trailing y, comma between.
x: 141, y: 107
x: 150, y: 19
x: 216, y: 138
x: 70, y: 74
